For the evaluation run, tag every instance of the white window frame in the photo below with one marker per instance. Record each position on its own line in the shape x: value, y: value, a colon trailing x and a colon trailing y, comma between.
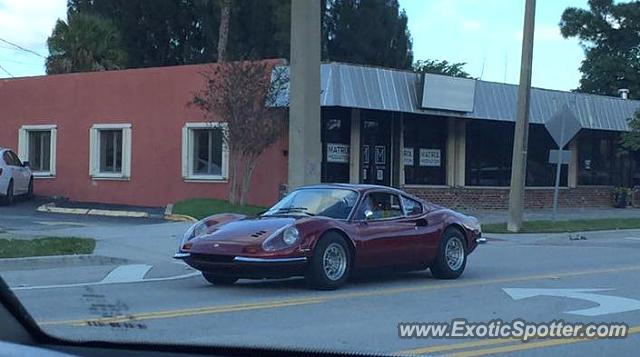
x: 23, y: 147
x: 187, y: 152
x: 94, y: 152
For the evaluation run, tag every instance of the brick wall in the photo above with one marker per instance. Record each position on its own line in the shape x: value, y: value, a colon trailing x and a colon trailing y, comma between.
x: 498, y: 198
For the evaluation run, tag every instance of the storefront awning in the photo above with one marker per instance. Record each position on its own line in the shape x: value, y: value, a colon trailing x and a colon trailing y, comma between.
x: 356, y: 86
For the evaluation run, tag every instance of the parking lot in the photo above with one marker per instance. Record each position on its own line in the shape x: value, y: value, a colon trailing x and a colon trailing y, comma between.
x: 183, y: 308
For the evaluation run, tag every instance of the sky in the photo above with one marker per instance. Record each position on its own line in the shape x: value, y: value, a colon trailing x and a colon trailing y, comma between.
x: 486, y: 34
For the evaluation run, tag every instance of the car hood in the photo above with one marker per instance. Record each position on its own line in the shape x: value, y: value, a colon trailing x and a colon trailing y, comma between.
x: 246, y: 230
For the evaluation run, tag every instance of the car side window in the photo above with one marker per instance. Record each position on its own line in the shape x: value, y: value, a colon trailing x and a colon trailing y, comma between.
x: 411, y: 206
x: 383, y: 205
x: 13, y: 159
x: 5, y: 158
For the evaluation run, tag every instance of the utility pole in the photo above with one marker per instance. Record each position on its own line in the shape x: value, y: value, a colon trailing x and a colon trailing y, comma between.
x: 305, y: 147
x: 521, y: 135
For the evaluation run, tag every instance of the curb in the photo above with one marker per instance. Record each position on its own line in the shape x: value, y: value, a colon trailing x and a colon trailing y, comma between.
x: 169, y: 216
x: 180, y: 218
x: 51, y: 208
x: 58, y: 261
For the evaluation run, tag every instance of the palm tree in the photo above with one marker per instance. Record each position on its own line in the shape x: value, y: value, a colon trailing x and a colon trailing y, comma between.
x: 84, y: 43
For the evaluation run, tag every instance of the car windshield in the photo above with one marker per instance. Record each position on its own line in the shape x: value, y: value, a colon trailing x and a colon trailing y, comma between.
x: 328, y: 202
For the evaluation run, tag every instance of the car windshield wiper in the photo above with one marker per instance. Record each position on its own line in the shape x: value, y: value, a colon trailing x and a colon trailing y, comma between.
x: 294, y: 209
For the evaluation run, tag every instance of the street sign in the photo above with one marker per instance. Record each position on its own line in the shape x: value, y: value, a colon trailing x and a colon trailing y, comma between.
x: 565, y: 157
x: 607, y: 304
x: 563, y: 126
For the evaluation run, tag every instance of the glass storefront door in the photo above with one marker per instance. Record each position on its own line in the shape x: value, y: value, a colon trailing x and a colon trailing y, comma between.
x: 375, y: 149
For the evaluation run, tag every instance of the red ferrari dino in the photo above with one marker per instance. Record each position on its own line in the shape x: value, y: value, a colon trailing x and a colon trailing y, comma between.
x: 327, y: 232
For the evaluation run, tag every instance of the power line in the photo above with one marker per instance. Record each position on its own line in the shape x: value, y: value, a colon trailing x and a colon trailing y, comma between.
x: 5, y: 71
x: 21, y: 48
x: 3, y: 59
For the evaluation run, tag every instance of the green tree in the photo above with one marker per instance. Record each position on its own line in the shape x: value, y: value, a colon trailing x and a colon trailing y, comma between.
x: 236, y: 93
x: 441, y: 67
x: 160, y: 32
x: 368, y: 32
x: 169, y: 32
x: 610, y: 35
x: 84, y: 43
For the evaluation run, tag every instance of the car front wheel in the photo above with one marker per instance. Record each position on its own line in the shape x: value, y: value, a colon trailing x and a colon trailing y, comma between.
x: 219, y: 279
x: 452, y: 256
x: 331, y: 263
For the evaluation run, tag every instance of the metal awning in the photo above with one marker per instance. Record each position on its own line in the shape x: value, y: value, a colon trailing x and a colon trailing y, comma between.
x: 357, y: 86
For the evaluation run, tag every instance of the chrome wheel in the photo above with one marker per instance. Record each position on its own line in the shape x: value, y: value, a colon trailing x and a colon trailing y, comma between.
x: 334, y: 261
x: 454, y: 253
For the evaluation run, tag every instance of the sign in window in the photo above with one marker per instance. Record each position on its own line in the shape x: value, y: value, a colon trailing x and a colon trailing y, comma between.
x: 338, y: 153
x: 429, y: 157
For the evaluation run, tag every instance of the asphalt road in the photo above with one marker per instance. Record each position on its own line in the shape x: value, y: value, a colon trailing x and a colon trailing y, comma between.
x: 363, y: 316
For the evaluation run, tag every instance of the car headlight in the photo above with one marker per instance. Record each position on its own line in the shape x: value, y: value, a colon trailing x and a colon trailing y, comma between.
x: 290, y: 235
x: 282, y: 238
x: 197, y: 229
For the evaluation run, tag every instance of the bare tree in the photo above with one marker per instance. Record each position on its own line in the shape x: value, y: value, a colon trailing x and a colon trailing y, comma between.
x: 245, y: 95
x: 223, y: 29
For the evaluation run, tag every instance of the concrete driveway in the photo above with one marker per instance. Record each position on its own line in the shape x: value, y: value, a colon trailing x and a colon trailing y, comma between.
x: 120, y: 242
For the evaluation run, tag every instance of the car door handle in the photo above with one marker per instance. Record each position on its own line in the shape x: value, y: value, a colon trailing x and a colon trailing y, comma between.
x: 422, y: 222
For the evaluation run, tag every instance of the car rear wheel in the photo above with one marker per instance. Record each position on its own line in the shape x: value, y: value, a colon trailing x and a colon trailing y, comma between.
x: 452, y: 256
x: 29, y: 194
x: 8, y: 198
x: 331, y: 263
x: 219, y: 279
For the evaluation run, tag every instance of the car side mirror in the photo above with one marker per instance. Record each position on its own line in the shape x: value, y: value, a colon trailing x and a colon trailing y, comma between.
x: 25, y: 164
x: 368, y: 214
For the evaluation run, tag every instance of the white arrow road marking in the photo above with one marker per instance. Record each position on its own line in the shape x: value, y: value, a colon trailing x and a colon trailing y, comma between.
x: 607, y: 304
x: 127, y: 273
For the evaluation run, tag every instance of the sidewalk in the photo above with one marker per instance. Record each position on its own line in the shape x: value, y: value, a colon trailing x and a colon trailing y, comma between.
x: 500, y: 216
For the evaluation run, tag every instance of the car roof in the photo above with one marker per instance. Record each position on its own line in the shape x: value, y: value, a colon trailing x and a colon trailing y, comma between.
x: 356, y: 187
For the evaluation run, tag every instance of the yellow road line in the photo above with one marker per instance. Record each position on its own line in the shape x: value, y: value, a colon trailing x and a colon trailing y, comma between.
x: 186, y: 312
x: 510, y: 346
x: 330, y: 296
x: 455, y: 346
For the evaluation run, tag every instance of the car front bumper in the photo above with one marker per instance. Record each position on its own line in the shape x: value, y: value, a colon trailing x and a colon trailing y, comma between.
x: 246, y: 267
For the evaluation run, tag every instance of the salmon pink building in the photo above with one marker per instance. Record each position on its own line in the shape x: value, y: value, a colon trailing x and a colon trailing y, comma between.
x: 126, y: 137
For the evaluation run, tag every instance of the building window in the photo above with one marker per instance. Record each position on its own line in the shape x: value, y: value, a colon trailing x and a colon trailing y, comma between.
x: 425, y: 151
x: 37, y: 145
x: 599, y: 160
x: 110, y: 151
x: 489, y: 148
x: 539, y: 171
x: 204, y: 151
x: 336, y: 144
